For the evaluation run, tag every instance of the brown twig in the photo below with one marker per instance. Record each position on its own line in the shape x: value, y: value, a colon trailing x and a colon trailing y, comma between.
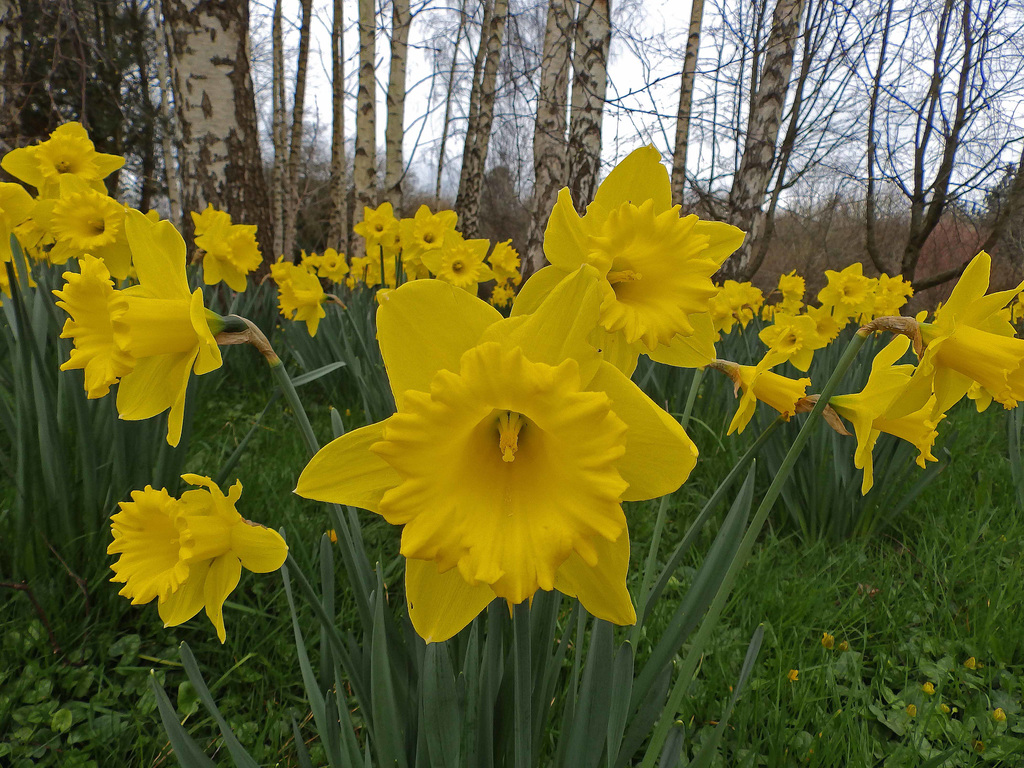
x: 24, y: 587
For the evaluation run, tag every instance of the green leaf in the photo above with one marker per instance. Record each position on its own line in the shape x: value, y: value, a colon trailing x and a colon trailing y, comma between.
x: 61, y: 720
x: 388, y: 723
x: 618, y: 711
x: 441, y: 718
x: 185, y: 749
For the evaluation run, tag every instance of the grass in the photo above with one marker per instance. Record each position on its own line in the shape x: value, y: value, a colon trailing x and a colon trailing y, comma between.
x: 945, y: 585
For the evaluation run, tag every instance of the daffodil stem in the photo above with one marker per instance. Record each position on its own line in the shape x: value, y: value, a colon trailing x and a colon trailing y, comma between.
x: 689, y: 666
x: 288, y: 390
x: 691, y: 398
x: 523, y: 686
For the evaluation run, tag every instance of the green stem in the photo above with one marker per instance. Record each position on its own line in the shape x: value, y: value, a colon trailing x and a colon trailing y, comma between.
x: 652, y: 555
x: 685, y: 676
x: 523, y: 687
x: 691, y: 398
x: 288, y: 390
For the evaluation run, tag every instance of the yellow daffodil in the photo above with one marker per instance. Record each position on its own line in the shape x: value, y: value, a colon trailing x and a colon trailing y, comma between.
x: 504, y: 261
x: 379, y: 228
x: 15, y: 208
x: 68, y: 152
x: 188, y: 553
x: 792, y: 287
x: 887, y: 404
x: 928, y: 689
x: 157, y: 324
x: 231, y: 250
x: 828, y: 641
x: 421, y: 234
x: 511, y: 451
x: 300, y: 295
x: 793, y: 338
x: 332, y: 266
x: 502, y: 295
x: 968, y: 342
x: 655, y: 264
x: 758, y: 383
x: 735, y: 303
x: 793, y: 675
x: 847, y: 293
x: 460, y: 262
x: 825, y: 325
x: 83, y: 221
x: 891, y: 294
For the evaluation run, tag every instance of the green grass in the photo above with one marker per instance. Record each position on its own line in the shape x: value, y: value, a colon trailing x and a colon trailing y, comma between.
x: 946, y: 584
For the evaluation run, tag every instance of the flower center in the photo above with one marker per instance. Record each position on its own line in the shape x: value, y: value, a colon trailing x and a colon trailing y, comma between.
x: 624, y: 276
x: 428, y: 238
x: 98, y: 225
x: 509, y: 424
x: 458, y: 266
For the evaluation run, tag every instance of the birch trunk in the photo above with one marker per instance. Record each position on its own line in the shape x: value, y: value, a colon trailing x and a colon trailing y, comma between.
x: 481, y: 118
x: 219, y: 155
x: 364, y: 160
x: 338, y: 229
x: 291, y: 198
x: 10, y: 74
x: 686, y: 101
x: 751, y: 182
x: 589, y: 86
x: 394, y: 164
x: 171, y: 129
x: 277, y: 177
x: 448, y: 102
x: 549, y: 143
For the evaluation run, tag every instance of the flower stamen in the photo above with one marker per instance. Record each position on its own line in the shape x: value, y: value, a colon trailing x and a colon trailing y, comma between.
x: 624, y: 276
x: 509, y: 424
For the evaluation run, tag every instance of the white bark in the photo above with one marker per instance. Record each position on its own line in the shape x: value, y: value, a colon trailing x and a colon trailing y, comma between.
x: 219, y: 155
x: 338, y: 230
x: 277, y: 182
x: 549, y: 142
x: 364, y: 171
x: 291, y: 200
x: 394, y: 165
x: 685, y: 101
x: 589, y: 86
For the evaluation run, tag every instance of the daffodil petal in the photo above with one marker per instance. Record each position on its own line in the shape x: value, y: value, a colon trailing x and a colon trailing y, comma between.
x: 260, y: 549
x: 659, y: 454
x: 441, y: 604
x: 566, y: 243
x: 187, y: 600
x: 971, y: 286
x: 724, y: 239
x: 424, y: 327
x: 601, y: 588
x: 153, y: 385
x: 536, y: 289
x: 345, y: 471
x: 560, y: 327
x: 694, y: 351
x: 162, y: 271
x: 221, y: 580
x: 22, y: 164
x: 639, y: 177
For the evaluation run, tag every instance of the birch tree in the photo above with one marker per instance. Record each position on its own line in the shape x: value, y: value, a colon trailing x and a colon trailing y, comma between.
x: 593, y: 34
x: 338, y: 228
x: 291, y: 196
x: 682, y: 137
x: 481, y: 118
x: 10, y: 73
x: 449, y: 100
x: 278, y: 134
x: 549, y: 141
x: 364, y: 161
x: 751, y: 181
x: 219, y: 156
x: 394, y: 165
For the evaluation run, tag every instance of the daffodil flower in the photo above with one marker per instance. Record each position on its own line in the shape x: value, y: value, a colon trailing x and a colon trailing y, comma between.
x: 379, y: 228
x: 511, y: 451
x: 655, y: 265
x: 153, y: 335
x: 300, y: 295
x: 793, y: 338
x: 460, y: 262
x: 68, y: 152
x: 188, y: 553
x: 888, y: 404
x: 969, y: 342
x: 758, y: 383
x: 231, y: 250
x: 16, y: 206
x: 83, y: 221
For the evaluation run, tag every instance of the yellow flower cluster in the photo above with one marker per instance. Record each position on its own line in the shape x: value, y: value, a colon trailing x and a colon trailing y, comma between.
x: 230, y: 251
